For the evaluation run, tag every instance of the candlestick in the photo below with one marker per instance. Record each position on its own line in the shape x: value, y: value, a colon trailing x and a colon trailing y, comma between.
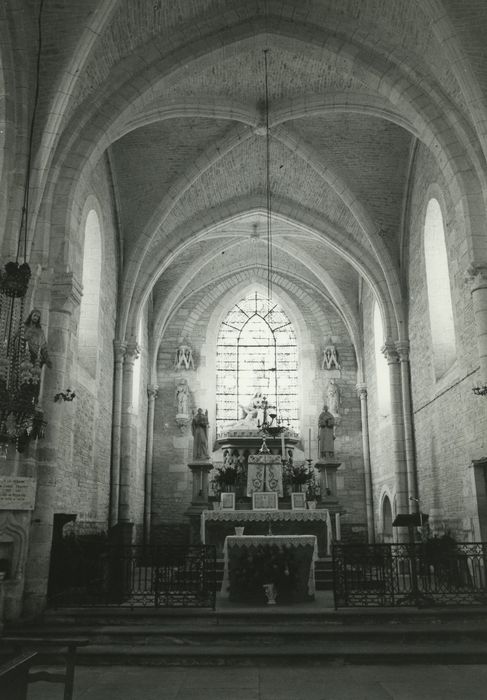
x: 283, y: 447
x: 309, y: 444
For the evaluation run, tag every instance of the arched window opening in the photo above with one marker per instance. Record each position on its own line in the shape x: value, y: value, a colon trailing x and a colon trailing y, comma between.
x: 387, y: 532
x: 90, y: 302
x: 381, y: 366
x: 439, y: 293
x: 256, y: 354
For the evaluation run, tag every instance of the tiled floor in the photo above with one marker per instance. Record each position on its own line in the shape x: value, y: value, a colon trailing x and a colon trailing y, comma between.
x: 416, y: 682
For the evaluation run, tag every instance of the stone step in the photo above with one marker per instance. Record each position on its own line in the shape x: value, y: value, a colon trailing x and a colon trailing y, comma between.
x: 276, y: 635
x: 315, y: 653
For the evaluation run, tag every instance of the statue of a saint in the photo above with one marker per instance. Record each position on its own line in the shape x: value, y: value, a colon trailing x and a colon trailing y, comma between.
x: 184, y: 357
x: 326, y: 425
x: 252, y: 413
x: 35, y: 340
x: 333, y: 396
x: 199, y: 428
x: 182, y: 396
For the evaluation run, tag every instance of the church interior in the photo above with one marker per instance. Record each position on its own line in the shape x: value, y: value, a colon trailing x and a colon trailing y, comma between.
x: 244, y: 256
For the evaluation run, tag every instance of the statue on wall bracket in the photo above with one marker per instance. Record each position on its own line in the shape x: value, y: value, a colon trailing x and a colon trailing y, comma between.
x: 182, y: 404
x: 184, y: 357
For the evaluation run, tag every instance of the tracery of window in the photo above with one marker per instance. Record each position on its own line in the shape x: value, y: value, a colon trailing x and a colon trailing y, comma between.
x: 439, y: 294
x: 256, y: 353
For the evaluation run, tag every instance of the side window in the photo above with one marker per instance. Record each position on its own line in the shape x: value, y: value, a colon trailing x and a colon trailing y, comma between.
x: 439, y: 293
x: 90, y: 302
x: 381, y: 366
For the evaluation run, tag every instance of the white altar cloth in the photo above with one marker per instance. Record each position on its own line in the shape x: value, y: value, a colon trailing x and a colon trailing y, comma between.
x: 240, y: 517
x: 281, y: 541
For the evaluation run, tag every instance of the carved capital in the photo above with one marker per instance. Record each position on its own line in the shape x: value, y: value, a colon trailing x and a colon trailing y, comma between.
x: 152, y: 391
x: 66, y: 293
x: 402, y: 347
x: 476, y: 276
x: 361, y: 390
x: 133, y: 350
x: 119, y: 348
x: 389, y: 351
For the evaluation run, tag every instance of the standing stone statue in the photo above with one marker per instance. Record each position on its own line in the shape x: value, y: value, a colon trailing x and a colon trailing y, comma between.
x: 199, y: 428
x: 326, y: 425
x: 333, y: 396
x: 182, y: 397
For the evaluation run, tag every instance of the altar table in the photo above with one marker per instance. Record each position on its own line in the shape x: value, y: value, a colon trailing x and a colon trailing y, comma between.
x: 250, y: 561
x: 242, y: 517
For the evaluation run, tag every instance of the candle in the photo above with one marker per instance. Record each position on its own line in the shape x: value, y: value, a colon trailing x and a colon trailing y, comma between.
x: 309, y: 444
x: 283, y: 446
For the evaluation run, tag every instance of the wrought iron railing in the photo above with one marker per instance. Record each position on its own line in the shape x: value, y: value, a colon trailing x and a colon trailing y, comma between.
x: 419, y: 574
x: 139, y: 576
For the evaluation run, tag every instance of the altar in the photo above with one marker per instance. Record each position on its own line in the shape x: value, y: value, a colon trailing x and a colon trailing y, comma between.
x: 253, y: 562
x: 217, y: 525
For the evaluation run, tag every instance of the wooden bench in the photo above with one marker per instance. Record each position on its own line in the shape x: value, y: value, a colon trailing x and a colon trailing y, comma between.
x: 41, y: 644
x: 14, y: 676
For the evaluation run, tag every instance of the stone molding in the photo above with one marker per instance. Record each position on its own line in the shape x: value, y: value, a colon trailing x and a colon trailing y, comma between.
x: 402, y: 347
x: 152, y: 391
x: 361, y: 390
x: 66, y: 293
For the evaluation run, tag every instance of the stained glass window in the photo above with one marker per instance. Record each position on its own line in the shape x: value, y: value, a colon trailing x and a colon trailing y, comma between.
x: 256, y: 353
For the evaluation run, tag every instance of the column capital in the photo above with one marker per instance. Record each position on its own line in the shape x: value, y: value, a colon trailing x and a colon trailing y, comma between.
x: 402, y: 347
x: 120, y: 349
x: 476, y: 276
x: 133, y: 350
x: 66, y: 292
x: 152, y: 391
x: 361, y: 389
x: 389, y: 351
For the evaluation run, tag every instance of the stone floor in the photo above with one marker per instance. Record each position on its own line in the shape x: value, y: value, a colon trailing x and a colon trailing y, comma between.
x: 409, y: 682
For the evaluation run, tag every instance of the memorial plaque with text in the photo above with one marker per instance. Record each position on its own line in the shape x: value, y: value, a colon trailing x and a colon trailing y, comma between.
x: 17, y: 493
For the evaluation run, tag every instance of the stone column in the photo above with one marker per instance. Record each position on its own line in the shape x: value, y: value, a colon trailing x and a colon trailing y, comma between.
x: 398, y: 455
x: 477, y: 276
x: 412, y: 476
x: 369, y: 493
x: 199, y: 500
x: 120, y: 348
x: 126, y: 451
x: 65, y: 300
x: 152, y: 390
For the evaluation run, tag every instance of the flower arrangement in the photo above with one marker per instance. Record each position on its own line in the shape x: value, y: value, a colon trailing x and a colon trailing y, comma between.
x: 297, y: 474
x: 227, y: 477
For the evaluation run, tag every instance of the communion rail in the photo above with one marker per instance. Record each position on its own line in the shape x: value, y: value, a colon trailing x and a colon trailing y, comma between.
x: 437, y: 572
x: 136, y: 576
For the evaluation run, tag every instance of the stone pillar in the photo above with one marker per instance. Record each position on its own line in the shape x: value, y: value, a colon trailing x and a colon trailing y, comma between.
x: 369, y: 493
x: 398, y: 455
x: 120, y: 348
x: 152, y: 390
x: 199, y: 499
x: 126, y: 446
x: 65, y: 300
x: 412, y: 476
x: 477, y: 276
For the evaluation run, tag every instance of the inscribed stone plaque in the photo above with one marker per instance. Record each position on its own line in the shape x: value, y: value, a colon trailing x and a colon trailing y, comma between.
x: 17, y: 493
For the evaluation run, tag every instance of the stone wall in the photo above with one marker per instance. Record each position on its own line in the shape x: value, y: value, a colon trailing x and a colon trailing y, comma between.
x: 450, y: 421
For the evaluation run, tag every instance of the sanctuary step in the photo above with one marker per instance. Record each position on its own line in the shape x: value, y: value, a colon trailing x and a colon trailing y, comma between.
x: 305, y: 634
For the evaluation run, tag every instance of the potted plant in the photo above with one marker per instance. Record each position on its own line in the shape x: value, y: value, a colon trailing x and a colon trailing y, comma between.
x: 297, y: 476
x: 313, y: 491
x: 225, y: 478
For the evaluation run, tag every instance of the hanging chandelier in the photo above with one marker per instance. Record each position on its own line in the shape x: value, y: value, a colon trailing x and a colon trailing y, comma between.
x: 272, y: 424
x: 23, y: 350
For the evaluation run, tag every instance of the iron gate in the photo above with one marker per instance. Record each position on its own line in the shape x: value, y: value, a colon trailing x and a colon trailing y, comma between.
x: 419, y: 574
x: 138, y: 576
